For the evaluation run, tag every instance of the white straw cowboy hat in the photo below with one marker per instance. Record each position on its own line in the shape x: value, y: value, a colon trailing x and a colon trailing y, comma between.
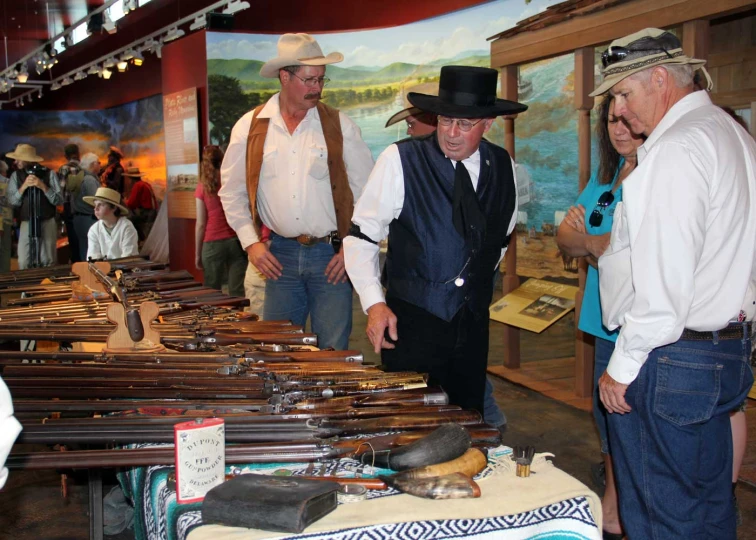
x: 642, y: 50
x: 25, y: 152
x: 133, y: 172
x: 298, y: 50
x: 106, y: 195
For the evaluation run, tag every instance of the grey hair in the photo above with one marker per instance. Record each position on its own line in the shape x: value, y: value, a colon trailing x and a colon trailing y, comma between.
x: 681, y: 74
x: 291, y: 69
x: 88, y: 159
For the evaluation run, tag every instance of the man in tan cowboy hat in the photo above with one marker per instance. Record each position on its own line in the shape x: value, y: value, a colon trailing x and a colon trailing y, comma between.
x: 419, y: 122
x: 678, y: 280
x: 297, y: 165
x: 448, y: 203
x: 113, y: 236
x: 142, y: 202
x: 37, y: 194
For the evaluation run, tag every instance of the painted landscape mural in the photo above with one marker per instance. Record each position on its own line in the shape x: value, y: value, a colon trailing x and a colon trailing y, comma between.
x: 136, y: 128
x: 381, y: 66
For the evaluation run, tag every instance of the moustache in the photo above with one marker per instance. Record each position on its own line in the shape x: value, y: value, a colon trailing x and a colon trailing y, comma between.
x: 316, y: 95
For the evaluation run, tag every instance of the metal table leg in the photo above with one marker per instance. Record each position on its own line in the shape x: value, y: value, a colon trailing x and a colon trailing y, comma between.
x: 96, y: 523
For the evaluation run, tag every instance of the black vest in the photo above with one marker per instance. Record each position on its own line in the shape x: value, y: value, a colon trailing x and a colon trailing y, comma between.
x: 426, y: 254
x: 46, y: 209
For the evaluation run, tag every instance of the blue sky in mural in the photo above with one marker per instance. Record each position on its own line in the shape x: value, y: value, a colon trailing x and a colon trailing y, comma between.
x: 420, y: 42
x: 382, y: 65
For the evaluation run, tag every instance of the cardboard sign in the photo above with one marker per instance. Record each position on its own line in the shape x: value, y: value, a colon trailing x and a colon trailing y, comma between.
x: 200, y: 448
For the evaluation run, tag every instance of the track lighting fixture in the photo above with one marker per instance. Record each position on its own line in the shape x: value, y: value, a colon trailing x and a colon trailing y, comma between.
x: 80, y: 75
x: 66, y: 81
x: 107, y: 24
x: 106, y: 73
x: 199, y: 22
x: 22, y: 75
x: 235, y: 6
x: 122, y: 65
x: 138, y: 58
x: 94, y: 70
x: 55, y: 86
x: 173, y: 33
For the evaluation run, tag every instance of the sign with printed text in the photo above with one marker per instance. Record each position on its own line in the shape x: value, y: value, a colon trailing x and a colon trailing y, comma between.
x: 535, y: 305
x: 181, y: 152
x: 200, y: 448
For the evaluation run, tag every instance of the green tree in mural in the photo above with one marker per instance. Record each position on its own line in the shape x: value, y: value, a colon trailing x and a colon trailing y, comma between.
x: 228, y: 103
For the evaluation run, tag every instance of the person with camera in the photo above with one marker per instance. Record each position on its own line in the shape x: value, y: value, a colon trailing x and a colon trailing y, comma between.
x: 37, y: 191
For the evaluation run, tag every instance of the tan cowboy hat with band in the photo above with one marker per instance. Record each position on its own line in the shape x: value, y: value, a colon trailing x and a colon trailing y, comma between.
x: 106, y: 195
x: 426, y: 88
x: 25, y: 152
x: 298, y: 50
x: 133, y: 172
x: 642, y: 50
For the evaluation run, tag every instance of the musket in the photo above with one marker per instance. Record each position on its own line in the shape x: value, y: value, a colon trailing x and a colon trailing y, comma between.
x: 291, y: 452
x: 250, y: 431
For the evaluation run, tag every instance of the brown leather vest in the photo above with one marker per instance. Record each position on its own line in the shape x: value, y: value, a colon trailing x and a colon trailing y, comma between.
x: 343, y: 199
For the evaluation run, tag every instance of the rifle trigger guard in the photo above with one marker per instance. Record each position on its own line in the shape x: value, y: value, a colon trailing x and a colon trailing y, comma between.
x: 312, y: 423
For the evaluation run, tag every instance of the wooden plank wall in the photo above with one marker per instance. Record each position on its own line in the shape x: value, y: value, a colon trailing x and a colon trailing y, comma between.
x: 732, y: 62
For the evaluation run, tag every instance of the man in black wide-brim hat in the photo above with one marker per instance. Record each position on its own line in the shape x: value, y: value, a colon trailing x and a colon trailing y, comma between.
x: 448, y: 203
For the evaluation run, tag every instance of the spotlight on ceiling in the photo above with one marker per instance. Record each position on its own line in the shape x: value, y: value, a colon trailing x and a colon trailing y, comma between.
x: 235, y: 6
x: 129, y: 5
x: 128, y: 54
x: 80, y: 75
x: 21, y: 73
x: 199, y: 22
x: 109, y: 63
x: 173, y: 33
x: 94, y: 70
x: 66, y: 81
x: 138, y: 58
x: 106, y: 73
x: 39, y: 95
x: 107, y: 24
x: 122, y: 65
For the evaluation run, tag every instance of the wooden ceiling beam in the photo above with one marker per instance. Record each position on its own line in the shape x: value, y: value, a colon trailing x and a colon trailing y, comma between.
x: 606, y: 25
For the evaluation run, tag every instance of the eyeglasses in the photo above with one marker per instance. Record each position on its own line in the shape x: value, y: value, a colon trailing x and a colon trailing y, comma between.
x: 463, y: 125
x: 310, y: 82
x: 597, y: 216
x: 616, y: 54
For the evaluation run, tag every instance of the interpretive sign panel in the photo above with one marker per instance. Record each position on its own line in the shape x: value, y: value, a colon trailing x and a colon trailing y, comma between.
x: 535, y: 305
x: 181, y: 151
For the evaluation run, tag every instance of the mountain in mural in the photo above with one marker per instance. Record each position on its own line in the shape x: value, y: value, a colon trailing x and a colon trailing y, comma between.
x: 248, y: 71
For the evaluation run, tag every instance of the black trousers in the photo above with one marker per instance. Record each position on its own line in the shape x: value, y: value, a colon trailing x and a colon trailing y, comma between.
x: 454, y: 354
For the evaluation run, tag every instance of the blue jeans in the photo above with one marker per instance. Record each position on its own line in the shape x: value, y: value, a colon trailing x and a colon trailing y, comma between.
x: 673, y: 453
x: 492, y: 414
x: 603, y: 353
x: 303, y: 290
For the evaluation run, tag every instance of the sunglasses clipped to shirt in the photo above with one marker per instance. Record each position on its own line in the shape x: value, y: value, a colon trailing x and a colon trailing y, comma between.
x: 604, y: 202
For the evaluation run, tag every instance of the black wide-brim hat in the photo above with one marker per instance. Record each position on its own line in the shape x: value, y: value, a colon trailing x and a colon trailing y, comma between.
x: 466, y: 92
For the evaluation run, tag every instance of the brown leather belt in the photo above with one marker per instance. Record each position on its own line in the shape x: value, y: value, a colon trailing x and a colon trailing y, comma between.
x: 309, y: 240
x: 735, y: 330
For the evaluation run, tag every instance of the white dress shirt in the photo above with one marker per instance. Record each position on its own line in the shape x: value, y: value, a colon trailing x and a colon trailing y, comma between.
x: 381, y: 203
x: 682, y: 246
x: 294, y: 195
x: 120, y: 242
x: 9, y: 429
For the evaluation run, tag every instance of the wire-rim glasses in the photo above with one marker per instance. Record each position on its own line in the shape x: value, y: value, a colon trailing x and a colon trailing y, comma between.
x: 310, y: 82
x: 597, y: 216
x: 462, y: 124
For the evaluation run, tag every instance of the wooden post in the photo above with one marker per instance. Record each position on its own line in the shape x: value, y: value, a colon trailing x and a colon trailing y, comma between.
x: 510, y: 281
x: 584, y: 82
x: 696, y: 39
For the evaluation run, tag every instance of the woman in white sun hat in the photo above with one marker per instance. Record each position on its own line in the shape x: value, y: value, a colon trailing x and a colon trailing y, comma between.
x: 113, y: 236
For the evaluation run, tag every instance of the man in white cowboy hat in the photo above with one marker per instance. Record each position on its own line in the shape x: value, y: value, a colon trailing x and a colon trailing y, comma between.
x: 297, y: 165
x: 40, y: 210
x: 113, y: 236
x: 678, y: 280
x: 448, y: 203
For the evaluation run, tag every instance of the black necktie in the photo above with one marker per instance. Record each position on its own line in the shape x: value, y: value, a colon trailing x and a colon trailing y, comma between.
x: 467, y: 216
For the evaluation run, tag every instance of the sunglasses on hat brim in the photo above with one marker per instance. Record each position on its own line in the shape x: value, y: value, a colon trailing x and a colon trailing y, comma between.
x: 616, y: 54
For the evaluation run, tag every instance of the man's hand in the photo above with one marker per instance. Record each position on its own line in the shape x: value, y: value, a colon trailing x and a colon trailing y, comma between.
x: 198, y: 263
x: 336, y: 271
x: 597, y: 244
x: 613, y: 395
x: 259, y: 255
x: 33, y: 181
x: 381, y: 317
x: 575, y: 218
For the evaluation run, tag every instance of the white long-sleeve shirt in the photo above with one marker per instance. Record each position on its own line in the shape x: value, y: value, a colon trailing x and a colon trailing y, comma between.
x: 294, y: 195
x: 684, y: 238
x: 9, y: 429
x: 382, y: 202
x: 120, y: 242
